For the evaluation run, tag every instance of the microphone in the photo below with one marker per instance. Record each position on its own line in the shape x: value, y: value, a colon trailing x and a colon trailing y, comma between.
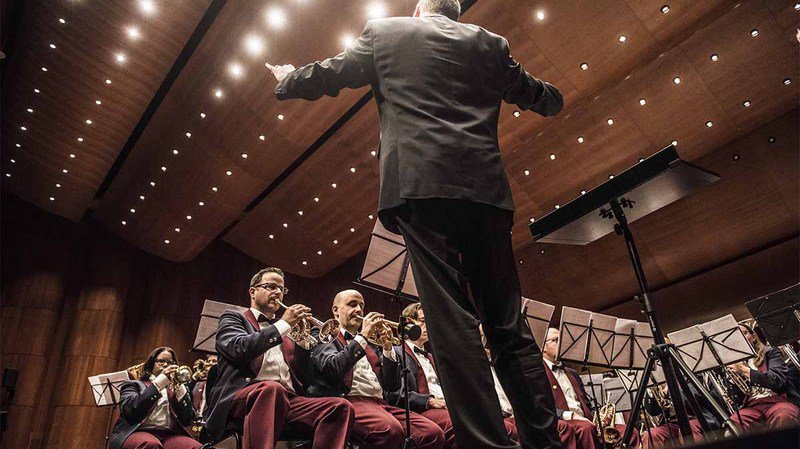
x: 410, y: 330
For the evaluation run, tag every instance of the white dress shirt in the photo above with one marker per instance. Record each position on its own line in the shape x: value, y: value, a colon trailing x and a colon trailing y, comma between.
x: 505, y: 404
x: 434, y: 387
x: 365, y: 381
x: 574, y: 404
x: 159, y: 417
x: 274, y: 366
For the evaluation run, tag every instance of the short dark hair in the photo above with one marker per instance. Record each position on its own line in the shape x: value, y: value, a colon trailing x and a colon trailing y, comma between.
x: 257, y: 277
x: 147, y: 369
x: 448, y: 8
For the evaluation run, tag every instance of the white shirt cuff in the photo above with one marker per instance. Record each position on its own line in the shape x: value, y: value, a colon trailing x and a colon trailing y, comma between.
x: 567, y: 415
x: 181, y: 392
x: 361, y: 340
x: 390, y: 355
x: 283, y: 327
x: 161, y: 381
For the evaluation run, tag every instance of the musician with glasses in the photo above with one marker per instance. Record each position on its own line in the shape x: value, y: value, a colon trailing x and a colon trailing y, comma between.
x: 153, y: 409
x: 773, y: 398
x: 262, y: 375
x: 351, y: 367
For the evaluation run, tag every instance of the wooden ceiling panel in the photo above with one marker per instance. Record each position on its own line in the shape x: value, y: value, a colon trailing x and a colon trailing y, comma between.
x: 80, y: 55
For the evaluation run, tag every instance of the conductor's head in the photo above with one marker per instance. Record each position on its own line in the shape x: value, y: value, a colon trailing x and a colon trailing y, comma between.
x: 448, y: 8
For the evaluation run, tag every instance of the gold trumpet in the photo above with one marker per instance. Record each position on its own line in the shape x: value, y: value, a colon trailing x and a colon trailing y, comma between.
x: 301, y: 332
x: 180, y: 376
x: 135, y: 371
x: 383, y: 332
x: 604, y: 424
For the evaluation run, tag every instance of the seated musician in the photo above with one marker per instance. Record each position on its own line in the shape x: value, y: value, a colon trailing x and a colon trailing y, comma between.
x: 774, y: 398
x: 260, y: 374
x: 425, y: 391
x: 350, y: 367
x: 572, y: 403
x: 199, y: 380
x: 658, y: 405
x: 153, y: 410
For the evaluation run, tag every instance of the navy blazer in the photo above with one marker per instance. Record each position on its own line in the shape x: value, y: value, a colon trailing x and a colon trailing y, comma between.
x: 438, y: 85
x: 332, y: 367
x: 137, y: 400
x: 778, y: 376
x: 417, y: 401
x: 241, y: 345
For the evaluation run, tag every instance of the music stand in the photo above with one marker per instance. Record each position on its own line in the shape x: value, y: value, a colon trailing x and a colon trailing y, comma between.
x: 206, y: 337
x: 652, y: 184
x: 631, y: 341
x: 617, y: 394
x: 105, y: 390
x: 538, y: 316
x: 594, y: 382
x: 712, y: 345
x: 778, y: 316
x: 585, y: 337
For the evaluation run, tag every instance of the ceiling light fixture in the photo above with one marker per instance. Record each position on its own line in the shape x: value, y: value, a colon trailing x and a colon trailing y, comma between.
x: 98, y: 102
x: 623, y: 39
x: 676, y: 80
x: 584, y: 66
x: 108, y: 81
x: 202, y: 115
x: 580, y: 139
x: 276, y: 17
x: 664, y: 9
x: 254, y: 45
x: 44, y: 69
x: 674, y: 143
x: 235, y: 69
x: 552, y: 157
x: 89, y: 121
x: 53, y: 46
x: 754, y: 32
x: 121, y: 58
x: 133, y: 32
x: 147, y: 6
x: 714, y: 57
x: 347, y: 39
x: 218, y: 93
x: 610, y: 121
x: 709, y: 124
x: 642, y: 101
x: 376, y: 10
x: 527, y: 172
x: 214, y: 189
x: 229, y: 173
x: 539, y: 15
x: 280, y: 117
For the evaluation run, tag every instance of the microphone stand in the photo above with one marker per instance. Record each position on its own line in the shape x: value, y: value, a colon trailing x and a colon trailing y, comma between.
x: 408, y: 442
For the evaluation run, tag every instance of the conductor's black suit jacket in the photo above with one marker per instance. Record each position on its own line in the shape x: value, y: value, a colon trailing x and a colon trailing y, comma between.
x: 438, y: 85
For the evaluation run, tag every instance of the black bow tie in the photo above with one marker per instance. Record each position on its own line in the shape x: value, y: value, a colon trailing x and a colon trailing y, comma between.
x: 264, y: 319
x: 559, y: 366
x: 420, y: 351
x: 348, y: 336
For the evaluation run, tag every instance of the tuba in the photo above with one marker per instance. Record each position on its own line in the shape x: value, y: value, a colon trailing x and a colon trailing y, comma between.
x: 302, y: 330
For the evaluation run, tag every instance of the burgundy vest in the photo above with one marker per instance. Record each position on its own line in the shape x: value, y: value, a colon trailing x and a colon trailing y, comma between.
x: 558, y: 393
x: 422, y: 381
x: 287, y: 348
x: 372, y: 358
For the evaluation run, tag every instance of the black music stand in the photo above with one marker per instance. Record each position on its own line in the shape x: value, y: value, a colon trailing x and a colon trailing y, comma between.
x: 106, y: 392
x: 387, y: 269
x: 656, y: 182
x: 206, y: 337
x: 778, y: 316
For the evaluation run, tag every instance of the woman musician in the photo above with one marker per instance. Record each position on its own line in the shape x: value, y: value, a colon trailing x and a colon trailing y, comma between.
x: 155, y: 408
x: 773, y: 398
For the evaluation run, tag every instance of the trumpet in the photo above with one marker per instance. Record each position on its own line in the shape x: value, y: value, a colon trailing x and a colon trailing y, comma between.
x: 383, y: 332
x: 135, y: 371
x: 301, y: 332
x: 604, y: 424
x: 180, y: 376
x: 200, y: 368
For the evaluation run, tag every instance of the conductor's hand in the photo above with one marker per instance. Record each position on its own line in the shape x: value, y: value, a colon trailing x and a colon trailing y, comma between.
x: 436, y: 403
x: 369, y: 322
x: 295, y: 313
x: 280, y: 71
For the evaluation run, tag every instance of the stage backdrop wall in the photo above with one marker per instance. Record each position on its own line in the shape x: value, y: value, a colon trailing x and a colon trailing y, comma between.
x: 78, y: 301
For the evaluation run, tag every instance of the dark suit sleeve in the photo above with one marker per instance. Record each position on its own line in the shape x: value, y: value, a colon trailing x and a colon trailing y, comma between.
x: 237, y: 345
x: 390, y: 372
x: 777, y: 374
x: 351, y: 68
x: 526, y: 91
x: 135, y: 405
x: 334, y: 364
x: 417, y: 402
x: 302, y: 364
x: 184, y: 409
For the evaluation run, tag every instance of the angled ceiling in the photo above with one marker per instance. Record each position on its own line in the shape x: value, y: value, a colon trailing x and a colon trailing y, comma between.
x: 259, y: 173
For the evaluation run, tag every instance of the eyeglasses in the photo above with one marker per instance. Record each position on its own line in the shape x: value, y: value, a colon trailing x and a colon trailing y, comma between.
x: 165, y: 362
x: 271, y: 286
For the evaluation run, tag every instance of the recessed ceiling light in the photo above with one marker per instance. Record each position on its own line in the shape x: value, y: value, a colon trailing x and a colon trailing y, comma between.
x: 557, y: 206
x: 623, y: 38
x: 53, y: 46
x: 584, y: 66
x: 98, y: 102
x: 610, y: 121
x: 280, y: 117
x: 664, y: 9
x: 754, y: 32
x: 676, y: 80
x: 218, y: 93
x: 23, y: 128
x: 202, y: 115
x: 552, y: 157
x: 533, y: 220
x: 641, y: 159
x: 373, y: 153
x: 276, y: 17
x: 62, y: 21
x: 540, y: 15
x: 108, y: 81
x: 72, y: 155
x: 44, y: 69
x: 746, y: 103
x: 370, y: 216
x: 580, y: 139
x: 333, y: 184
x: 80, y: 139
x: 735, y: 157
x: 147, y: 6
x: 352, y: 229
x: 787, y: 81
x: 797, y: 6
x: 319, y: 253
x: 674, y: 143
x: 175, y: 152
x: 305, y: 263
x: 271, y: 236
x: 286, y: 225
x: 13, y: 161
x: 8, y: 175
x: 376, y: 10
x: 177, y: 229
x: 583, y: 192
x: 352, y: 169
x: 188, y: 135
x: 188, y: 217
x: 335, y: 242
x: 254, y: 45
x: 347, y: 39
x: 152, y: 184
x: 89, y: 121
x: 316, y: 199
x: 235, y: 69
x: 610, y: 176
x: 30, y: 111
x: 124, y: 223
x: 36, y: 91
x: 65, y: 171
x: 133, y: 211
x: 18, y: 145
x: 527, y: 172
x: 163, y: 168
x: 516, y: 113
x: 141, y: 197
x: 52, y: 199
x: 771, y: 139
x: 166, y: 241
x: 132, y: 32
x: 642, y: 101
x: 300, y: 212
x: 244, y: 155
x: 201, y: 204
x: 214, y: 189
x: 121, y: 58
x: 521, y: 261
x: 229, y: 173
x: 714, y: 57
x: 709, y: 124
x: 262, y: 137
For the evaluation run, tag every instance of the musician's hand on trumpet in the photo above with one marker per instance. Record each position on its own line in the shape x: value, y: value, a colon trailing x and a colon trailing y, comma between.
x: 740, y: 368
x: 296, y: 313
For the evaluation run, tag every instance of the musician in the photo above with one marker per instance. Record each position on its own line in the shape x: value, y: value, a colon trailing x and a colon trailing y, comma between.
x: 152, y: 411
x: 658, y: 405
x: 199, y: 380
x: 774, y: 399
x: 350, y: 367
x: 572, y: 403
x: 262, y: 374
x: 425, y: 391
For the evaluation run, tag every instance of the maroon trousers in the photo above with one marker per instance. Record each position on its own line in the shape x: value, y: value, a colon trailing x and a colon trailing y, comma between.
x: 378, y: 425
x: 441, y: 417
x: 668, y: 432
x: 586, y: 434
x: 565, y: 433
x: 267, y: 408
x: 158, y: 439
x: 774, y: 411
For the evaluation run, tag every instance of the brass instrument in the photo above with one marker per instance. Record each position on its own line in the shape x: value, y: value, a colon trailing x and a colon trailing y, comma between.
x: 135, y: 371
x: 384, y: 332
x: 200, y: 368
x: 734, y: 388
x: 604, y: 424
x: 301, y: 332
x: 180, y: 376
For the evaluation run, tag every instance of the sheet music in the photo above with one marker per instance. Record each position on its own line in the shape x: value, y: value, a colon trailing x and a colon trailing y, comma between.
x: 602, y: 339
x: 617, y: 394
x: 724, y: 339
x: 573, y: 336
x: 538, y: 316
x: 105, y: 394
x: 205, y: 339
x: 631, y: 341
